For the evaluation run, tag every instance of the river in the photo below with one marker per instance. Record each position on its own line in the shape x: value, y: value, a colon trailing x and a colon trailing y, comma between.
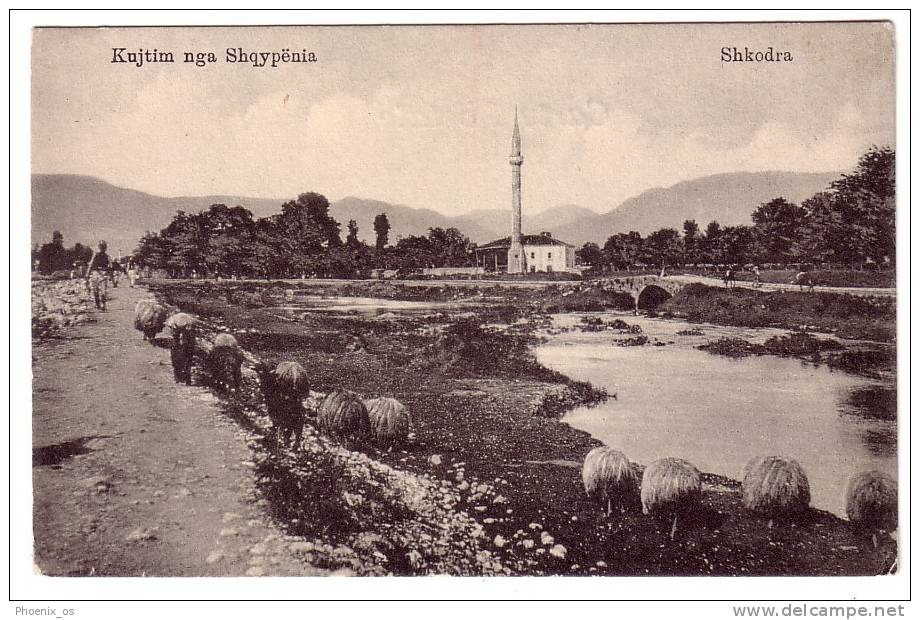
x: 719, y: 412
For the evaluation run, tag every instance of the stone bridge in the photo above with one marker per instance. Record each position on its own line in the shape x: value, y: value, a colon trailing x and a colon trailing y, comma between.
x: 647, y: 291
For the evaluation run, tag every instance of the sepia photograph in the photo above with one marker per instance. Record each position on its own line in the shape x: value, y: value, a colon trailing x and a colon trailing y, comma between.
x: 472, y: 300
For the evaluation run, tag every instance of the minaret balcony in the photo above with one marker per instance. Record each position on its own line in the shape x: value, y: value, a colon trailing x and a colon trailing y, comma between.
x: 515, y: 160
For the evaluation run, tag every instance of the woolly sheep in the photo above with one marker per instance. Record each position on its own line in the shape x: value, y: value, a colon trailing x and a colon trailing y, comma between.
x: 342, y: 413
x: 389, y: 420
x: 671, y: 487
x: 872, y: 501
x: 149, y: 318
x: 775, y: 487
x: 610, y: 478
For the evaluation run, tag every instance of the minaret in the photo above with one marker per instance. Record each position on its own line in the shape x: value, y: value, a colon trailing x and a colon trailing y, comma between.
x: 517, y: 262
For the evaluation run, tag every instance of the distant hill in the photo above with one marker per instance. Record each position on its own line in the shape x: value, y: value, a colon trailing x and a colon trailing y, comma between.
x: 404, y: 221
x: 727, y: 198
x: 87, y: 209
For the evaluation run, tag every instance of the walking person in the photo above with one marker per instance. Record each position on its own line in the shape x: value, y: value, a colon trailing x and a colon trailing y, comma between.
x: 756, y: 278
x: 97, y: 275
x: 132, y: 274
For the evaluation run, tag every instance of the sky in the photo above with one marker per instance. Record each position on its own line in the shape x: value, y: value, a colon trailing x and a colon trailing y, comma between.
x: 422, y: 116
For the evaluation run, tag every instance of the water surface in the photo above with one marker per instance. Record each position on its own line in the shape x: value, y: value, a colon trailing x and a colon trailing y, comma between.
x: 719, y: 412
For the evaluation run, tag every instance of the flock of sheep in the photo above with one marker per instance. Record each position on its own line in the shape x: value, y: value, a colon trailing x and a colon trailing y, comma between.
x: 284, y: 388
x: 772, y: 486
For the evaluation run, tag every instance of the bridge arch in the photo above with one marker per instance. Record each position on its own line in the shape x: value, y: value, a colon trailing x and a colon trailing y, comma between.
x: 651, y: 296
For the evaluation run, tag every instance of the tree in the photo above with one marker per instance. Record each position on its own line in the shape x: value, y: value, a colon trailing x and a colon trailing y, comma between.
x: 778, y: 225
x: 709, y: 244
x: 692, y: 240
x: 451, y: 248
x: 662, y: 247
x: 865, y: 199
x: 414, y: 252
x: 351, y: 240
x: 736, y: 245
x: 623, y: 250
x: 382, y: 231
x: 306, y: 231
x: 591, y: 254
x: 227, y: 233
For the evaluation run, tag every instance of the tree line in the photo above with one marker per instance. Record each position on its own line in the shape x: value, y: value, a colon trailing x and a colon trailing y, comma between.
x: 303, y: 240
x: 53, y: 256
x: 852, y: 222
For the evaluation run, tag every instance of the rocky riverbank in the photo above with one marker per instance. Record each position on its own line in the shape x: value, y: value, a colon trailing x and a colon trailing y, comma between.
x: 495, y: 464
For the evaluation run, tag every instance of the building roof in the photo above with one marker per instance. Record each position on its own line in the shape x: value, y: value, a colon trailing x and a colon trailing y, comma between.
x: 505, y: 242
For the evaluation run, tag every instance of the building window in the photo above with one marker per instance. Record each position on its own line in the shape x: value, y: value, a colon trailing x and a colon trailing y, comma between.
x: 549, y: 256
x: 533, y: 255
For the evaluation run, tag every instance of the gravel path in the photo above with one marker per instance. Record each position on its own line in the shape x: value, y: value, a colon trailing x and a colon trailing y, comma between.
x: 134, y: 475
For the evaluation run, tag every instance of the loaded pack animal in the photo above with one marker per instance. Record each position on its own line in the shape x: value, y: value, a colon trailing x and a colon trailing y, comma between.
x: 225, y: 363
x: 283, y: 389
x: 671, y: 488
x: 872, y: 503
x: 149, y: 318
x: 804, y: 280
x: 775, y: 487
x: 610, y: 479
x: 728, y: 278
x: 390, y: 421
x: 182, y: 348
x: 344, y: 415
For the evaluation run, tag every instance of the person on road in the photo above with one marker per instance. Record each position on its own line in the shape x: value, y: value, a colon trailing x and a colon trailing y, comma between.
x: 756, y: 278
x: 96, y: 275
x: 115, y: 272
x: 132, y: 273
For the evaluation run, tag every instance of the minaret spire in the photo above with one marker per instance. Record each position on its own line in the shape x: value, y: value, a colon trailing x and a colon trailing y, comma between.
x: 516, y: 136
x: 517, y: 262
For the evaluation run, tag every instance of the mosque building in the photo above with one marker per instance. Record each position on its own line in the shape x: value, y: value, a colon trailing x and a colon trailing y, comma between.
x: 522, y: 253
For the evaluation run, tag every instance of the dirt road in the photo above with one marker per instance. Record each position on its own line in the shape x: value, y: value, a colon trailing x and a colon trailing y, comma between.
x: 776, y: 286
x: 134, y: 475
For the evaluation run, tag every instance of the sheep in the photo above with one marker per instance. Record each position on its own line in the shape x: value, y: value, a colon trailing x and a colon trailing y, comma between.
x: 671, y: 487
x: 775, y: 487
x: 284, y: 389
x: 872, y: 502
x: 225, y: 361
x: 343, y: 413
x: 610, y: 478
x: 149, y: 318
x: 182, y: 350
x: 389, y: 420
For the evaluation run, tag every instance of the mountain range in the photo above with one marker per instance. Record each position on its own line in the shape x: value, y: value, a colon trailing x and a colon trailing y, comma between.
x: 86, y: 209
